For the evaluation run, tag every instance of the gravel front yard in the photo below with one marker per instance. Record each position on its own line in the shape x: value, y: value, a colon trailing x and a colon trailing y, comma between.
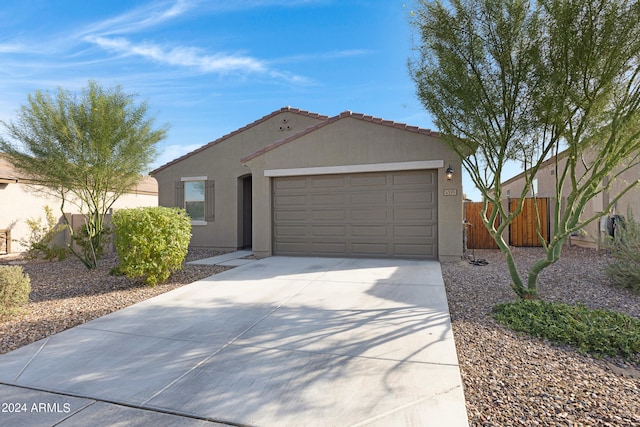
x: 512, y: 380
x: 509, y: 379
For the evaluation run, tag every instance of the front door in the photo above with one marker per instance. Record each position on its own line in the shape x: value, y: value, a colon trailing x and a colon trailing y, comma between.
x: 247, y: 215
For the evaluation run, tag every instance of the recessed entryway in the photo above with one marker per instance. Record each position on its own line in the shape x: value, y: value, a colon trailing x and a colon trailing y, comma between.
x: 245, y: 230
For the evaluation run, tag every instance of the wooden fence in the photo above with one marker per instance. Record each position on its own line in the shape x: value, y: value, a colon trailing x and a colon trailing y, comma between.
x: 522, y: 231
x: 477, y: 236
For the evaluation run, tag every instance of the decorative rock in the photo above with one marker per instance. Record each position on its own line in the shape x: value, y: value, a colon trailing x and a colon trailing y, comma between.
x: 512, y: 379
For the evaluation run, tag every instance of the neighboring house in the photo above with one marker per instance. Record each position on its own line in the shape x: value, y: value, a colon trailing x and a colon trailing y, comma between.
x: 20, y: 201
x: 545, y: 183
x: 300, y: 183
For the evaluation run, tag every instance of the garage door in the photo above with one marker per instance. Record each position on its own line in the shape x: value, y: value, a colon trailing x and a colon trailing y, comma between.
x: 381, y: 214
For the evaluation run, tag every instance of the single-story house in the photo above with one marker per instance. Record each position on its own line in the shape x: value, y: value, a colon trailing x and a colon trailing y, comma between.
x: 19, y: 201
x: 300, y: 183
x: 545, y: 187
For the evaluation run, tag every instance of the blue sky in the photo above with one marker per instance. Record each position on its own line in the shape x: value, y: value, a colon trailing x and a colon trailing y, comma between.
x: 209, y: 67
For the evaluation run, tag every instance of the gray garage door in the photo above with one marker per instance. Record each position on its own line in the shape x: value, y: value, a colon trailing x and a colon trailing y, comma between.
x: 381, y: 214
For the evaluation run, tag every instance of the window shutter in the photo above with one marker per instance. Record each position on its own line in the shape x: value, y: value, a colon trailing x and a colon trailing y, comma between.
x: 179, y: 194
x: 209, y: 201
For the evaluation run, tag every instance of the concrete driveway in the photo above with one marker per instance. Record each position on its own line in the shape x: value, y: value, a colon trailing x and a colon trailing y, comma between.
x: 278, y: 342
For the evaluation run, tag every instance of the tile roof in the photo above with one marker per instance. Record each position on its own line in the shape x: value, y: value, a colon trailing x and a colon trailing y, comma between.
x: 10, y: 175
x: 237, y: 131
x: 329, y: 120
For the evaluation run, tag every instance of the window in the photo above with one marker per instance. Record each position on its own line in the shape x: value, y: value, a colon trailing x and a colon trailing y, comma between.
x: 194, y: 199
x: 196, y: 195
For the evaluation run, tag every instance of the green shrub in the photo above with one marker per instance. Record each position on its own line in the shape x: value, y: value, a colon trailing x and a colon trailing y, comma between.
x: 624, y: 270
x: 151, y: 242
x: 40, y: 241
x: 599, y: 332
x: 15, y: 287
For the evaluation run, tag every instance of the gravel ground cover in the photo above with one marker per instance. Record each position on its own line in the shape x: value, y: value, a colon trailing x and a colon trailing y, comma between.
x: 65, y: 294
x: 509, y: 379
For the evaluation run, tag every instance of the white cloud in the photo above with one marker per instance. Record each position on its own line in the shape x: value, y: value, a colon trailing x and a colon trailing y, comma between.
x: 182, y: 56
x: 108, y: 35
x: 140, y: 18
x: 158, y: 12
x: 240, y: 5
x: 11, y: 48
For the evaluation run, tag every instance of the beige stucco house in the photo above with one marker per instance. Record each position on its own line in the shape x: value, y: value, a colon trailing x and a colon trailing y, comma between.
x: 20, y: 201
x: 300, y: 183
x: 544, y: 187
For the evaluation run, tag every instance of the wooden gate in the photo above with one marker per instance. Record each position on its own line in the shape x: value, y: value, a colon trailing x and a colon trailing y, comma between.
x: 477, y: 236
x: 523, y: 229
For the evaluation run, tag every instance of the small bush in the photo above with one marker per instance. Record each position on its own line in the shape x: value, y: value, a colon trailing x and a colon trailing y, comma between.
x: 624, y: 271
x: 151, y: 242
x: 15, y: 287
x: 598, y: 332
x: 40, y: 241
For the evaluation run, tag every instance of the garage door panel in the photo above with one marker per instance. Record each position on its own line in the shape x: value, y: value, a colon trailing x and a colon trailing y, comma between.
x: 381, y: 214
x: 290, y: 231
x: 290, y: 248
x: 327, y: 215
x: 328, y: 230
x: 291, y: 183
x: 290, y: 215
x: 299, y: 200
x: 368, y: 180
x: 415, y: 250
x: 328, y: 181
x: 402, y: 179
x: 369, y: 249
x: 413, y: 197
x: 381, y: 230
x: 322, y: 200
x: 369, y: 198
x: 328, y: 248
x: 413, y: 231
x: 414, y: 214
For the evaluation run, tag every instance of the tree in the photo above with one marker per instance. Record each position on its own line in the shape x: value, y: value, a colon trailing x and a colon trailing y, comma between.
x: 87, y: 150
x: 517, y: 80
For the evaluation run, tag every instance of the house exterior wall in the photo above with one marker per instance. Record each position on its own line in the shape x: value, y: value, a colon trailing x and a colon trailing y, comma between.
x: 595, y: 231
x: 20, y: 201
x: 628, y: 201
x: 351, y: 141
x: 220, y: 162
